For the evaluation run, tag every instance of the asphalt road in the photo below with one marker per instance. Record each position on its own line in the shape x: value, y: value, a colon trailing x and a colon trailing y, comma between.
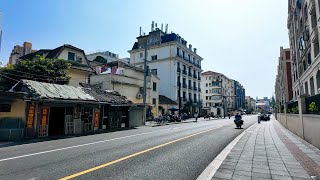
x: 179, y: 151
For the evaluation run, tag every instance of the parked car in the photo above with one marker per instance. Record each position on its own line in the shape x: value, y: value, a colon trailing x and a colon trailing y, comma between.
x: 265, y: 117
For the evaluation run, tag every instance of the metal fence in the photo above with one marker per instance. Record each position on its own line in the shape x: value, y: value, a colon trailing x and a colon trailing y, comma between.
x: 313, y: 104
x: 11, y: 134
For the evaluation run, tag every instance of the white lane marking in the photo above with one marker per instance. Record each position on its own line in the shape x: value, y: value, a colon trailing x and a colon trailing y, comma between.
x: 87, y: 144
x: 211, y: 169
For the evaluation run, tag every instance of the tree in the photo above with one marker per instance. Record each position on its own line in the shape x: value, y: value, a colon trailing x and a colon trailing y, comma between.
x: 38, y: 69
x: 273, y: 102
x: 101, y: 59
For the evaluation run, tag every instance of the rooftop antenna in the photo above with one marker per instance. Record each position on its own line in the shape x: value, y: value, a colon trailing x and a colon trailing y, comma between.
x: 140, y: 30
x: 166, y: 28
x: 152, y: 26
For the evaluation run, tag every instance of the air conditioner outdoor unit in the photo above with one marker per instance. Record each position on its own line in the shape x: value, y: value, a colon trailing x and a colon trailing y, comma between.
x: 79, y: 59
x: 139, y: 96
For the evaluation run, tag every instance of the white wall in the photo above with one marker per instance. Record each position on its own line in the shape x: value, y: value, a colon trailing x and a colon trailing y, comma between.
x: 64, y: 55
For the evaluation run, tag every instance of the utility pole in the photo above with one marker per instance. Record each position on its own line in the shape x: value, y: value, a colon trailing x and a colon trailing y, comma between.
x: 145, y: 83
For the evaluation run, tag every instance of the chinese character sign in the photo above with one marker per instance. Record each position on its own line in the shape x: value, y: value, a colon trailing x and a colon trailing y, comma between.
x: 44, y: 112
x: 30, y: 116
x: 96, y: 118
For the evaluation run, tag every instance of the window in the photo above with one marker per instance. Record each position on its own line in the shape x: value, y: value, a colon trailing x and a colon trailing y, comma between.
x: 155, y: 57
x: 206, y: 78
x: 178, y: 64
x: 184, y: 94
x: 178, y: 51
x: 141, y: 55
x: 183, y: 54
x: 210, y: 78
x: 5, y: 108
x: 154, y: 87
x: 206, y: 84
x: 189, y: 58
x: 154, y: 101
x: 154, y: 71
x: 206, y: 91
x: 210, y: 104
x: 210, y: 91
x: 207, y: 97
x: 71, y: 56
x: 209, y: 84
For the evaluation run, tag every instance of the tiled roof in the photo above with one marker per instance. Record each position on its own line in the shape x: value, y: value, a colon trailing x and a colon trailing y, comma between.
x: 42, y: 90
x: 165, y: 100
x: 105, y: 96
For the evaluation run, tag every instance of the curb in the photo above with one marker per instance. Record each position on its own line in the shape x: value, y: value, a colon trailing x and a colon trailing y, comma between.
x: 211, y: 169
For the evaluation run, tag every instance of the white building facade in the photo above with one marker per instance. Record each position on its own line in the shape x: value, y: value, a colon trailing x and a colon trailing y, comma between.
x: 303, y: 25
x: 217, y: 93
x: 177, y: 65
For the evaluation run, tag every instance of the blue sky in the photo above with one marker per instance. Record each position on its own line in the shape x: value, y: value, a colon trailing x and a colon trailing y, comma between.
x: 241, y: 39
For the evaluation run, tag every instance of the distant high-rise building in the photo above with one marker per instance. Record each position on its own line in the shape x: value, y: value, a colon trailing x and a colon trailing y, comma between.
x: 19, y: 51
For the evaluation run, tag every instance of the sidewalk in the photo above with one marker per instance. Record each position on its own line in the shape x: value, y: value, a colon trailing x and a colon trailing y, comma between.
x: 269, y: 151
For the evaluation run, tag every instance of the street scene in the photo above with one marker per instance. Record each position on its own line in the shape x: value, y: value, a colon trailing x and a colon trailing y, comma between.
x: 199, y: 90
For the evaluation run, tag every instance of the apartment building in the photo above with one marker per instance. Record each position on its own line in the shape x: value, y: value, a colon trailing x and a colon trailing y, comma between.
x: 283, y: 86
x: 19, y: 51
x: 303, y: 26
x: 177, y: 64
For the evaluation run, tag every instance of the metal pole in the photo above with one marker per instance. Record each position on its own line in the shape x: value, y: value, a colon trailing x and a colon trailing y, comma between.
x: 145, y: 83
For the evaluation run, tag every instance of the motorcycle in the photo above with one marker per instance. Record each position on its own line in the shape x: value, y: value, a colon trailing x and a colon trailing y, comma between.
x: 238, y: 122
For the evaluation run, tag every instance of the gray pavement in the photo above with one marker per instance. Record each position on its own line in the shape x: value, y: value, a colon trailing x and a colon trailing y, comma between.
x: 184, y: 159
x: 269, y: 151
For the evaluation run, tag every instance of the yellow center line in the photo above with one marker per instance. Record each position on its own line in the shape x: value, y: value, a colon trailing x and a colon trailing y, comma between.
x: 135, y: 154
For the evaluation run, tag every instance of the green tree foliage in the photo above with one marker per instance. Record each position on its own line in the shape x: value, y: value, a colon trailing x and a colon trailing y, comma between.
x: 273, y: 102
x: 38, y: 69
x: 313, y: 107
x: 101, y: 59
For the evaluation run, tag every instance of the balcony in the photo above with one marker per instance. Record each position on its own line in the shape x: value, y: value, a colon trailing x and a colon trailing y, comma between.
x: 314, y: 34
x: 184, y: 86
x: 195, y: 76
x: 184, y: 72
x: 199, y: 89
x: 178, y: 69
x: 311, y: 7
x: 195, y: 88
x: 190, y: 87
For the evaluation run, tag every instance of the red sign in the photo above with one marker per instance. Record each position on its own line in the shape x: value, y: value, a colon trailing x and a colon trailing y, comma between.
x: 30, y: 116
x: 44, y: 112
x: 96, y: 118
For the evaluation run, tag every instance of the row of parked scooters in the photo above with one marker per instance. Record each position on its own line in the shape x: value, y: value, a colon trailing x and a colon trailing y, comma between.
x: 170, y: 118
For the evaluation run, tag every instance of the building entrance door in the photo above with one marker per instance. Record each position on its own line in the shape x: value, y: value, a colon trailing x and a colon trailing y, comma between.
x: 69, y: 125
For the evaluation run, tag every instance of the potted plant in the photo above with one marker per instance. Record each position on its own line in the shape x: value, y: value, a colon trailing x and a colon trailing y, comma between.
x: 313, y: 108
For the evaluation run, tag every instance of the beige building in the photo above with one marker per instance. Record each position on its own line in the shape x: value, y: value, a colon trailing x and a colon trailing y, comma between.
x: 19, y: 51
x: 303, y: 26
x: 217, y: 92
x: 128, y: 81
x: 79, y: 70
x: 283, y: 86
